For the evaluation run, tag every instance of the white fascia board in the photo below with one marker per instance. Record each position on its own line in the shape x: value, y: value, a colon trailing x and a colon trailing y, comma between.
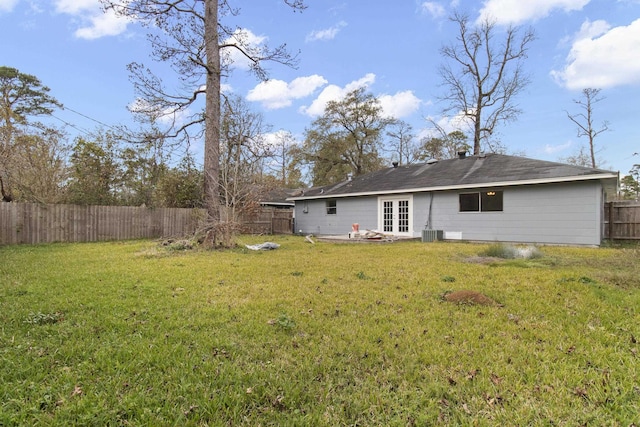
x: 464, y: 186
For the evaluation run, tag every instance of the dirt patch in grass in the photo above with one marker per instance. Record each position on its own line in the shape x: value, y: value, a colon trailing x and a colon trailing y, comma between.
x: 482, y: 260
x: 470, y: 298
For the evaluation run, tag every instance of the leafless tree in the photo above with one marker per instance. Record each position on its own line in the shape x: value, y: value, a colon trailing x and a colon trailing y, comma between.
x: 402, y: 144
x: 243, y: 151
x: 483, y: 74
x: 281, y: 164
x: 579, y: 158
x: 584, y: 120
x: 442, y: 144
x: 190, y: 36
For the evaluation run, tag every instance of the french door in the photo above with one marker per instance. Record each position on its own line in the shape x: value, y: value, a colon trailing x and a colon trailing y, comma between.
x: 395, y: 215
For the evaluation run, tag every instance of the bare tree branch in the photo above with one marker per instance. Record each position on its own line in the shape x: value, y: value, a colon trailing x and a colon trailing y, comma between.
x: 188, y: 36
x: 481, y: 77
x: 584, y: 120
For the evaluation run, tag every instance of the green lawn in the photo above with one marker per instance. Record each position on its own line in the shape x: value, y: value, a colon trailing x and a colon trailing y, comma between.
x: 319, y: 335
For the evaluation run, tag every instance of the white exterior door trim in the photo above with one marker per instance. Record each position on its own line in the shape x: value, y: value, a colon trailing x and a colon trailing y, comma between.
x: 395, y: 215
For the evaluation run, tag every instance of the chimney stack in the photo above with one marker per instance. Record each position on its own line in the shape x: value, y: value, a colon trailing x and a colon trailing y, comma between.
x: 462, y: 153
x: 395, y: 164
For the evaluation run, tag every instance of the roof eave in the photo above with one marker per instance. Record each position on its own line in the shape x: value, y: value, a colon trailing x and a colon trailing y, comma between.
x: 601, y: 176
x: 277, y: 203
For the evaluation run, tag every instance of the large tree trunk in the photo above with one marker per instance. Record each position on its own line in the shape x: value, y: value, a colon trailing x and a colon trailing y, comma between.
x: 477, y: 127
x: 212, y: 114
x: 6, y: 196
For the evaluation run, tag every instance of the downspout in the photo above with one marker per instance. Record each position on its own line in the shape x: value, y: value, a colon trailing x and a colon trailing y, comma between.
x: 429, y: 225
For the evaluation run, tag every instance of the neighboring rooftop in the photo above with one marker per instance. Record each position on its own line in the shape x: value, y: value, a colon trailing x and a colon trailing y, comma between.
x: 462, y: 172
x: 278, y: 197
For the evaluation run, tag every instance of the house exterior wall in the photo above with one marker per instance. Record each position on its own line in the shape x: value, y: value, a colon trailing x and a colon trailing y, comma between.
x: 311, y: 215
x: 568, y: 213
x: 553, y: 213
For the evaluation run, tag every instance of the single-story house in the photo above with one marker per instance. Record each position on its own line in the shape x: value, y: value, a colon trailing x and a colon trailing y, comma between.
x: 488, y: 197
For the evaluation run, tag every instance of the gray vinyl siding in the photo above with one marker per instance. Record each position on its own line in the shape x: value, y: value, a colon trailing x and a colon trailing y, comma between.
x: 350, y: 210
x: 568, y: 213
x: 552, y: 213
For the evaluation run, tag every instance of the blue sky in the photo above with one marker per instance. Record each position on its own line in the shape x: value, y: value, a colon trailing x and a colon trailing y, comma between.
x: 392, y: 48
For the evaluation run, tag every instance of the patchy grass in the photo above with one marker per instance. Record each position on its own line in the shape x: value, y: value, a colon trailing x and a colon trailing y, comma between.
x: 507, y: 251
x: 324, y: 334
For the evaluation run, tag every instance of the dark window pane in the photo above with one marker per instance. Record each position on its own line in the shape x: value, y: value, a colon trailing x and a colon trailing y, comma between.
x: 332, y: 208
x: 491, y: 201
x: 469, y: 202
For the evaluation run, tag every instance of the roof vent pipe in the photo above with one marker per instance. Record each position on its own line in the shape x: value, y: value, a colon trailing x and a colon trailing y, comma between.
x: 395, y: 164
x: 462, y: 154
x: 349, y: 177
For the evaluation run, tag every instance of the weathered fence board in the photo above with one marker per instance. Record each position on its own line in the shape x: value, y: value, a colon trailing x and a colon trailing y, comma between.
x: 268, y: 220
x: 37, y: 223
x: 622, y: 220
x: 33, y: 223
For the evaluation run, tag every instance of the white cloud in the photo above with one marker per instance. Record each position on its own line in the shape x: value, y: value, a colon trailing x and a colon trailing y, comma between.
x: 305, y: 86
x: 105, y: 24
x: 365, y: 82
x: 76, y: 7
x: 518, y: 11
x: 435, y: 9
x: 95, y: 22
x: 602, y: 57
x: 589, y: 30
x: 7, y: 5
x: 245, y: 38
x: 326, y: 34
x: 334, y: 93
x: 274, y: 94
x: 552, y: 149
x: 329, y: 93
x: 400, y: 105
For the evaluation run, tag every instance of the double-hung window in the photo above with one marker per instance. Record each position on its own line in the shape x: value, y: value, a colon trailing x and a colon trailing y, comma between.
x: 332, y: 207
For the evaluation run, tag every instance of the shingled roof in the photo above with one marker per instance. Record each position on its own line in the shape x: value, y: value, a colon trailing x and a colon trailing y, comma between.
x: 277, y: 197
x: 459, y: 173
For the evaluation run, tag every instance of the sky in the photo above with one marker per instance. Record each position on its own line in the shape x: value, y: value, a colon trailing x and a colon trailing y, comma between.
x: 390, y: 48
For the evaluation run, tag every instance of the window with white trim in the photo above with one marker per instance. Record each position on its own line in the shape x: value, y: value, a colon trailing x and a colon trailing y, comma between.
x: 332, y: 207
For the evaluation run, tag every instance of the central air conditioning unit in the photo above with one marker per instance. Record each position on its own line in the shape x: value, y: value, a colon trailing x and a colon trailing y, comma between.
x: 432, y: 235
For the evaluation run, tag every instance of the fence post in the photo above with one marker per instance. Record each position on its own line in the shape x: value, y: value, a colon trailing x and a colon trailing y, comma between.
x: 611, y: 210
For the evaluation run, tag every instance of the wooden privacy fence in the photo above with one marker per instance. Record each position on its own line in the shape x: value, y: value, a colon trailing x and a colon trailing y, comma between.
x: 268, y: 220
x: 33, y: 223
x: 622, y: 220
x: 38, y: 223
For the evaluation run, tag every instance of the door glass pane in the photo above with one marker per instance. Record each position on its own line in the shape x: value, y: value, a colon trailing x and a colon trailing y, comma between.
x: 403, y: 216
x: 387, y: 216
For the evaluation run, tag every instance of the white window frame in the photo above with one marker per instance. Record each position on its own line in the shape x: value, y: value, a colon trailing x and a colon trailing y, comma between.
x: 331, y: 210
